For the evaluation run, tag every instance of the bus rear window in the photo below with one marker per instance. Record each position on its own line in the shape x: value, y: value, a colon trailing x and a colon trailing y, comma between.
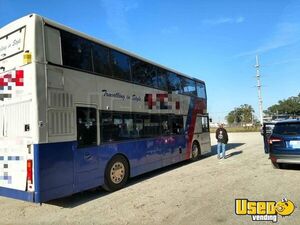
x: 12, y: 43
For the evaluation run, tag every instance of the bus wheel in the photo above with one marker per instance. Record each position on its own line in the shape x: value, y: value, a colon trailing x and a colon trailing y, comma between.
x: 195, y: 151
x: 116, y: 173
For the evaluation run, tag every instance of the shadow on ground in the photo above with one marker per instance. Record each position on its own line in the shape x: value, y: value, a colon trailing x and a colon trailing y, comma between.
x: 291, y: 167
x: 93, y: 194
x: 233, y: 154
x: 90, y: 195
x: 230, y: 146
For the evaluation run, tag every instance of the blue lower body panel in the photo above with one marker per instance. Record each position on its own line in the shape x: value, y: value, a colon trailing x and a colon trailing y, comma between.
x: 22, y: 195
x: 54, y: 170
x: 62, y: 169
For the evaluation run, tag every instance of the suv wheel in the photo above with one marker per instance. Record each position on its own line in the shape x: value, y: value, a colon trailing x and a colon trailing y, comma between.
x: 276, y: 165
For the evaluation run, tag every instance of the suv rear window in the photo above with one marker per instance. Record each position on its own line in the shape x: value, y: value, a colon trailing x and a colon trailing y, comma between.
x: 287, y: 129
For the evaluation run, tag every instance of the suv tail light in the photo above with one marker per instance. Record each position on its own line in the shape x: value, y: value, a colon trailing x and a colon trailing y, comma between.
x: 274, y: 140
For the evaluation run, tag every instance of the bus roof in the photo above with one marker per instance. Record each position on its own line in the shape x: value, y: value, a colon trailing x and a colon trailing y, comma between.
x: 63, y: 27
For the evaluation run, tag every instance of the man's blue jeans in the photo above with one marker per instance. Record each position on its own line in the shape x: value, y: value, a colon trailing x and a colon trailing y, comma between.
x: 219, y: 147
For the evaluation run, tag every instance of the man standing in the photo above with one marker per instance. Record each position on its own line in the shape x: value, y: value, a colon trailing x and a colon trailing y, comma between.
x: 222, y: 139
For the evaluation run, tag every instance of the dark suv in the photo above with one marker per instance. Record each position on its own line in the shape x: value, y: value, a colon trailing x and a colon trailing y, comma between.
x: 284, y: 143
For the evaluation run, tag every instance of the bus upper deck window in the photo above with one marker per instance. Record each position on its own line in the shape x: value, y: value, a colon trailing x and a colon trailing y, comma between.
x: 174, y: 83
x: 120, y: 65
x: 76, y: 51
x: 201, y: 93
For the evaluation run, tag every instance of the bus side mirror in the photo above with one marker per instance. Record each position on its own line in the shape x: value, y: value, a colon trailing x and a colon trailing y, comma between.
x: 210, y: 119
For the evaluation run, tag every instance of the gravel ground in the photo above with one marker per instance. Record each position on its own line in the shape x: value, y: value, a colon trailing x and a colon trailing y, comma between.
x: 203, y: 192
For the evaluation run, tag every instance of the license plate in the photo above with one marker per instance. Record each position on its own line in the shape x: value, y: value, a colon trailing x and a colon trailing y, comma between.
x: 295, y: 144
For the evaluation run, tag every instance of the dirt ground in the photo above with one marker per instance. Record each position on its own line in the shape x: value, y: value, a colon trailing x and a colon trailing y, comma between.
x: 203, y: 192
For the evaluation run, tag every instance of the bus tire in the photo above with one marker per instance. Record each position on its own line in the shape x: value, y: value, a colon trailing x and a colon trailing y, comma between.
x: 196, y: 151
x: 116, y: 173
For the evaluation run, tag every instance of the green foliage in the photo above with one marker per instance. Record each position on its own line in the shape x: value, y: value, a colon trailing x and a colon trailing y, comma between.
x: 242, y: 114
x: 290, y: 106
x: 230, y: 117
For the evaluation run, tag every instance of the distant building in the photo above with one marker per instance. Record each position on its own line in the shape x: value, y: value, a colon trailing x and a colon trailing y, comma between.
x: 213, y: 124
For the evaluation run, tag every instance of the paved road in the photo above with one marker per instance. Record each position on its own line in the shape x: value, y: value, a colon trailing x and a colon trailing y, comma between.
x: 203, y: 192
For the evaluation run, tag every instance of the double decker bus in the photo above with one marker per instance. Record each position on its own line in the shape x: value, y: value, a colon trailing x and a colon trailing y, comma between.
x: 77, y: 113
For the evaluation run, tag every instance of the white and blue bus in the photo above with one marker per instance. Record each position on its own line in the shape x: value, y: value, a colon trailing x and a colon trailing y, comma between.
x: 77, y: 113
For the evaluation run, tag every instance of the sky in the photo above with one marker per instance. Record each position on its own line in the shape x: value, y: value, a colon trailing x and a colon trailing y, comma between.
x: 215, y: 41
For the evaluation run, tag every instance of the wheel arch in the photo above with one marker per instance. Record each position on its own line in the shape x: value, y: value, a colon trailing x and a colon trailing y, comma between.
x: 197, y: 143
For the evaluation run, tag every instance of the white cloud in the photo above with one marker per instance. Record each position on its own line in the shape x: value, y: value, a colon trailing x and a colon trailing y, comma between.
x: 240, y: 19
x: 288, y: 61
x: 223, y: 20
x: 116, y: 13
x: 170, y: 30
x: 131, y: 6
x: 286, y: 34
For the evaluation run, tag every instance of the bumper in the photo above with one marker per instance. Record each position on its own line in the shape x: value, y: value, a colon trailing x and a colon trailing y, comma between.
x: 279, y: 158
x: 17, y: 194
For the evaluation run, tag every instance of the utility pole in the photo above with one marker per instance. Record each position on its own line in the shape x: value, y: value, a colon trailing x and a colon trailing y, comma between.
x: 260, y: 101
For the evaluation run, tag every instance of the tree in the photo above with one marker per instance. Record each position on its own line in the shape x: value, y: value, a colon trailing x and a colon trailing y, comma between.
x: 290, y: 106
x: 230, y: 117
x: 242, y: 114
x: 247, y: 113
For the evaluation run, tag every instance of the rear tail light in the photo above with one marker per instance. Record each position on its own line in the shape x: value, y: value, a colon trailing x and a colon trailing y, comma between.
x: 29, y: 171
x: 274, y: 140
